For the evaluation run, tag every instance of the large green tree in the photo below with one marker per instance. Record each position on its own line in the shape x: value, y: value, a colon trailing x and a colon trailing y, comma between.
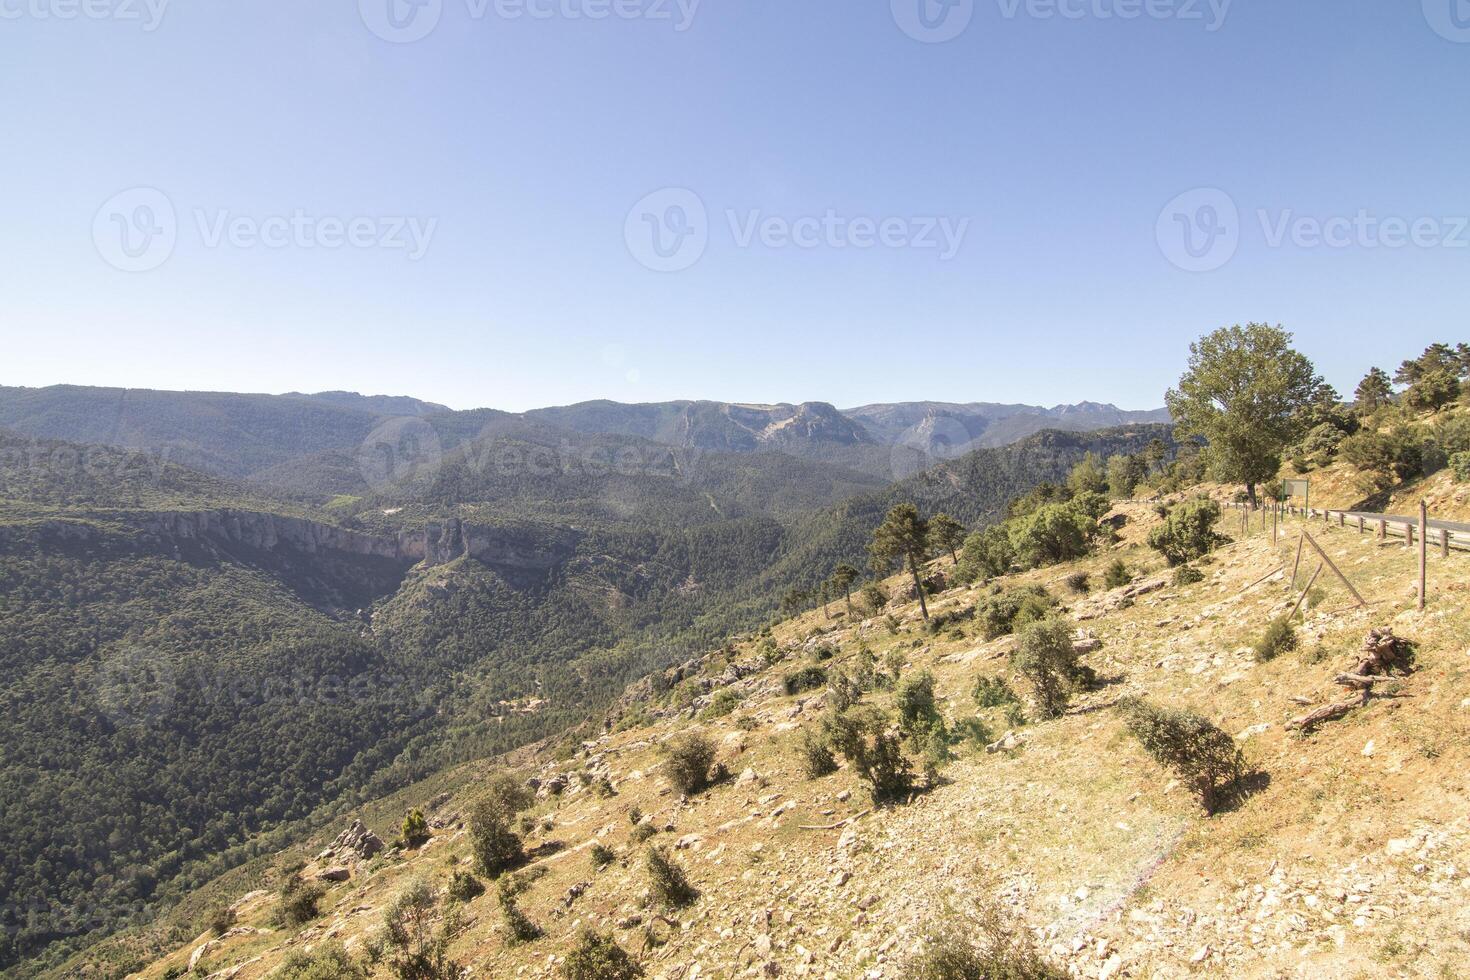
x: 902, y: 537
x: 842, y: 578
x: 947, y: 534
x: 1374, y: 391
x: 1433, y: 378
x: 1244, y: 392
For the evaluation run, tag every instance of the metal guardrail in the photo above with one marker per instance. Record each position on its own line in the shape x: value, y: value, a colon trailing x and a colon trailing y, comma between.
x: 1446, y: 536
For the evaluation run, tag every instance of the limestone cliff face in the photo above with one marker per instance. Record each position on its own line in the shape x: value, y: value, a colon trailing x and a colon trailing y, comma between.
x: 524, y: 549
x: 266, y: 532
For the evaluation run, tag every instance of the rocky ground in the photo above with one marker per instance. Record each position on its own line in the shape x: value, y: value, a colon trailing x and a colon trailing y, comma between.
x: 1349, y: 854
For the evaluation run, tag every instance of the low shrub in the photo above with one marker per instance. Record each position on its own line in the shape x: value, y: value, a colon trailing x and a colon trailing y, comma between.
x: 1278, y: 639
x: 1188, y: 533
x: 601, y: 856
x: 1189, y: 745
x: 1079, y: 582
x: 327, y: 961
x: 1117, y: 575
x: 917, y: 710
x: 993, y: 692
x: 843, y: 689
x: 988, y: 950
x: 666, y: 880
x: 599, y: 957
x: 974, y: 731
x: 518, y: 926
x: 1386, y: 457
x: 1013, y: 609
x: 642, y: 832
x: 509, y: 792
x: 723, y: 702
x: 863, y: 736
x: 807, y: 678
x: 815, y: 757
x: 687, y: 761
x: 873, y: 597
x: 494, y: 844
x: 1188, y: 575
x: 419, y: 951
x: 415, y: 831
x: 298, y: 903
x: 220, y: 920
x: 1045, y: 656
x: 465, y: 887
x: 1460, y: 466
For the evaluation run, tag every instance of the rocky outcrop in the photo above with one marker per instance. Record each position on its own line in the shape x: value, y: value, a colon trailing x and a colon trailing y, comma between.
x: 265, y: 532
x: 524, y: 549
x: 356, y: 841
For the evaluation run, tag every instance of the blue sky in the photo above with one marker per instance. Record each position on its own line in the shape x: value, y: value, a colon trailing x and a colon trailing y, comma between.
x: 489, y: 172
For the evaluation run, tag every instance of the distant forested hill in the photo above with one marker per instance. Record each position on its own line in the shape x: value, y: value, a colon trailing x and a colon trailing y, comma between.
x: 192, y: 669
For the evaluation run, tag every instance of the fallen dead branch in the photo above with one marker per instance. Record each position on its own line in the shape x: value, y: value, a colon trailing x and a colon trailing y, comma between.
x: 1328, y: 712
x: 1273, y: 572
x: 839, y: 824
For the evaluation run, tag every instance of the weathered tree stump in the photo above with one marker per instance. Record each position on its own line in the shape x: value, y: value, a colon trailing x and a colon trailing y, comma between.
x: 1384, y: 654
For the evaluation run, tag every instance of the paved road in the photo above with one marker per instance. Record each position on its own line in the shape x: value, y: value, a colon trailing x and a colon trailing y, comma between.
x: 1459, y: 531
x: 1455, y: 526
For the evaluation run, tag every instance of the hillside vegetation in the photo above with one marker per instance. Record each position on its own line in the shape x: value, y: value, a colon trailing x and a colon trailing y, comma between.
x: 1337, y: 852
x: 1090, y: 738
x: 281, y: 679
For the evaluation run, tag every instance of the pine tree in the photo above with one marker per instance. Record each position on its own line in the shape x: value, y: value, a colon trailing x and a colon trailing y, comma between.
x: 902, y: 537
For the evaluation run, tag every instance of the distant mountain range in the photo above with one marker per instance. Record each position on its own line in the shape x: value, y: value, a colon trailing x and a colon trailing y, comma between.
x: 447, y: 562
x: 313, y: 444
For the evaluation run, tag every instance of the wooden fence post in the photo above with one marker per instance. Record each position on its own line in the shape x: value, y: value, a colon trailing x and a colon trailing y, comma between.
x: 1444, y: 541
x: 1383, y: 530
x: 1423, y: 551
